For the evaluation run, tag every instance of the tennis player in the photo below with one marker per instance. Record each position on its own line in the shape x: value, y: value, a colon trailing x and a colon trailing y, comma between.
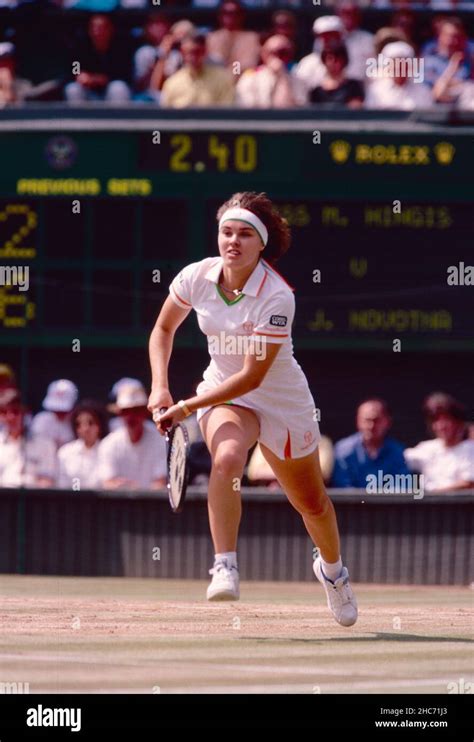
x: 252, y: 390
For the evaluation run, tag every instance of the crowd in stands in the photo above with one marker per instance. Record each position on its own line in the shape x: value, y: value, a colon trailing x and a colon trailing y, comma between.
x: 80, y: 445
x: 405, y: 64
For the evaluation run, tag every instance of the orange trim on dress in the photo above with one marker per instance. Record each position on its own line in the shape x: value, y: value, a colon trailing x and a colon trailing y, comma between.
x: 271, y: 268
x: 287, y: 451
x: 263, y: 281
x: 271, y: 334
x: 181, y: 299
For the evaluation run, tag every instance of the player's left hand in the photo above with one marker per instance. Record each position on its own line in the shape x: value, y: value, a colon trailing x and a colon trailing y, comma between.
x: 171, y: 417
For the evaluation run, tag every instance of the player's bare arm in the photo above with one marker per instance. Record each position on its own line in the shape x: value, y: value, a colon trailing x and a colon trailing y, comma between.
x: 160, y: 346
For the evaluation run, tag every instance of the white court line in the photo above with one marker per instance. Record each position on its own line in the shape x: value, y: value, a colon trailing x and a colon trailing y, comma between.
x: 439, y: 685
x: 194, y: 663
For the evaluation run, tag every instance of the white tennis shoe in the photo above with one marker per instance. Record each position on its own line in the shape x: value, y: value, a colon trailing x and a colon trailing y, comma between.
x: 341, y: 600
x: 225, y: 582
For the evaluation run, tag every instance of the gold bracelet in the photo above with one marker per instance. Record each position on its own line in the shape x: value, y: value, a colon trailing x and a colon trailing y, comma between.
x: 185, y: 408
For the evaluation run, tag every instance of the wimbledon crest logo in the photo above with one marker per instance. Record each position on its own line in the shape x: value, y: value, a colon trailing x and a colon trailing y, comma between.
x: 444, y: 152
x: 340, y: 151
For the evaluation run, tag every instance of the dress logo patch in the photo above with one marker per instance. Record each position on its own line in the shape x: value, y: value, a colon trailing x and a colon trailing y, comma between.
x: 308, y: 439
x: 278, y: 320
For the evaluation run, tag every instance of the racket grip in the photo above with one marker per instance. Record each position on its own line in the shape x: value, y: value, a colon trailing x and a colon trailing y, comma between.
x: 167, y: 423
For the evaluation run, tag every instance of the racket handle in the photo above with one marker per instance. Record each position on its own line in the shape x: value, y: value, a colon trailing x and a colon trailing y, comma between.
x: 167, y: 423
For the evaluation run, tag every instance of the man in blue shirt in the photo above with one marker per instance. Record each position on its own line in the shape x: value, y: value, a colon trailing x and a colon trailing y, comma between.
x: 370, y: 450
x: 451, y: 42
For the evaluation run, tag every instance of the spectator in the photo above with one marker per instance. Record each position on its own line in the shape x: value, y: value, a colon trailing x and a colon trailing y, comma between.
x: 197, y: 83
x: 25, y: 460
x: 117, y: 421
x: 451, y: 5
x: 284, y: 23
x: 78, y: 460
x: 104, y: 63
x: 451, y: 42
x: 447, y: 461
x: 230, y: 43
x: 55, y: 420
x: 336, y: 87
x: 359, y: 43
x: 169, y: 59
x: 328, y: 30
x: 12, y: 88
x: 397, y: 88
x: 386, y: 4
x: 245, y: 3
x: 450, y: 89
x: 132, y: 457
x: 272, y: 84
x: 7, y: 381
x: 7, y: 377
x: 430, y: 46
x: 133, y: 4
x: 92, y: 6
x: 405, y: 21
x: 465, y: 99
x: 370, y: 450
x: 157, y: 27
x: 387, y: 35
x: 260, y: 473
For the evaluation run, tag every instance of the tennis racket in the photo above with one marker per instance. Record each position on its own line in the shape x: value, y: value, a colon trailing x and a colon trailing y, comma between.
x: 177, y: 441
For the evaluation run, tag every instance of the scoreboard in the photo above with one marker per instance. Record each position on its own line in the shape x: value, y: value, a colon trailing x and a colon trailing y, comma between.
x: 94, y: 226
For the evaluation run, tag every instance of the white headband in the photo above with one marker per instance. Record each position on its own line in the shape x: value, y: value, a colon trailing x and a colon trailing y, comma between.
x: 243, y: 215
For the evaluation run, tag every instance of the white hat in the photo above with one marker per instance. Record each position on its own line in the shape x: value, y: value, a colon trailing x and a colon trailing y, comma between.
x: 7, y: 49
x: 397, y: 50
x: 124, y: 381
x: 327, y: 23
x: 131, y: 395
x: 61, y: 396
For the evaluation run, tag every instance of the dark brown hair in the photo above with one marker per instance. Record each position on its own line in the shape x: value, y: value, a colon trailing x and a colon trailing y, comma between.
x: 96, y: 410
x: 337, y: 50
x: 439, y: 403
x: 279, y: 235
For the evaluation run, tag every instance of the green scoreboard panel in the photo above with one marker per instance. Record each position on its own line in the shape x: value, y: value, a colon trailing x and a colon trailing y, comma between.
x: 104, y: 220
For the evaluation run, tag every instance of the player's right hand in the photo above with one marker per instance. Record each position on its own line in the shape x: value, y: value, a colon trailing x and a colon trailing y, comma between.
x: 159, y: 397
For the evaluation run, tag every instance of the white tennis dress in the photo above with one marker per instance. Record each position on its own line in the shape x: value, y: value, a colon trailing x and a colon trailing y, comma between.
x: 263, y: 313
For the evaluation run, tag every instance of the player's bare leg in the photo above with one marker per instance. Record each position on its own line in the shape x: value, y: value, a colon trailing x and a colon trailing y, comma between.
x: 302, y: 481
x: 303, y: 484
x: 229, y: 432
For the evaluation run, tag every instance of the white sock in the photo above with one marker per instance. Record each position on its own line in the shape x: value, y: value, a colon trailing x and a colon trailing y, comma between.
x: 332, y: 570
x: 229, y: 556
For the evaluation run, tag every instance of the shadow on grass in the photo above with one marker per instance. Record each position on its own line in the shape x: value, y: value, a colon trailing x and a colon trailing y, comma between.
x: 380, y: 636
